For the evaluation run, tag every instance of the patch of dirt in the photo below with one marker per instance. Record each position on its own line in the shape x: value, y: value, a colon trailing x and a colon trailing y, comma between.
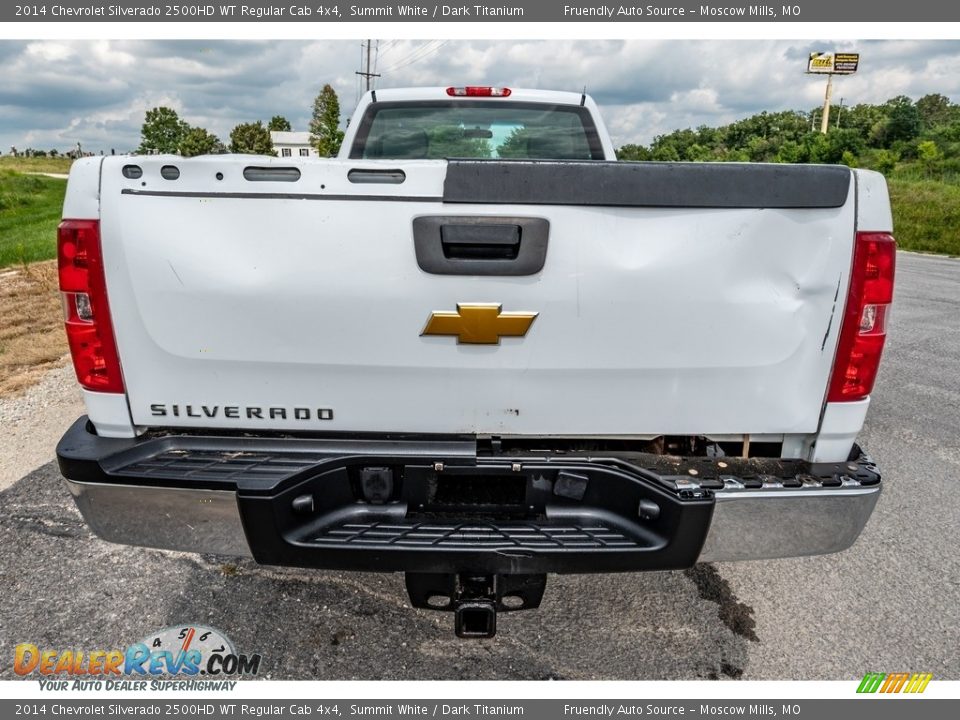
x: 32, y: 339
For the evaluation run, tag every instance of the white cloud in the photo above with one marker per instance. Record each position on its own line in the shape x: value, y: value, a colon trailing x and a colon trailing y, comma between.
x: 55, y: 93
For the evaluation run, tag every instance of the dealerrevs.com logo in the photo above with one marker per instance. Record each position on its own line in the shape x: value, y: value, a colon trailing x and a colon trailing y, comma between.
x: 184, y: 651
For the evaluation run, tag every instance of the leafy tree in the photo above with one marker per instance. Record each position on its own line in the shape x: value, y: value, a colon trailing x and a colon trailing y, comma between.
x: 930, y: 156
x: 840, y: 142
x: 759, y: 149
x: 698, y: 153
x: 877, y: 136
x: 707, y: 136
x: 949, y: 133
x: 633, y: 152
x: 903, y: 120
x: 252, y: 138
x: 666, y: 151
x: 197, y: 141
x: 936, y: 109
x: 162, y: 131
x: 733, y: 156
x: 278, y: 123
x: 325, y: 132
x: 922, y: 135
x: 906, y: 149
x: 886, y: 161
x: 789, y: 152
x: 815, y: 147
x: 675, y: 145
x: 863, y: 118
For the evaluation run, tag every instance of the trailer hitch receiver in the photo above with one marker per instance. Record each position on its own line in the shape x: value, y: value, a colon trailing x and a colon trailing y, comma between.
x: 475, y: 598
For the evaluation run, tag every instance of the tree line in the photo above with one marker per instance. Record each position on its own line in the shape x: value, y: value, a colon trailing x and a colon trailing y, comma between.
x: 163, y: 131
x: 922, y: 135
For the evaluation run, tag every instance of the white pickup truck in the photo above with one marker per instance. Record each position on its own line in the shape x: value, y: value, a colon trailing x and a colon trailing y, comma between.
x: 476, y: 349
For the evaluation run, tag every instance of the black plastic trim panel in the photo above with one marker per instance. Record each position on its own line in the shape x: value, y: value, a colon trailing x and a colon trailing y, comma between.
x: 646, y: 184
x: 417, y: 531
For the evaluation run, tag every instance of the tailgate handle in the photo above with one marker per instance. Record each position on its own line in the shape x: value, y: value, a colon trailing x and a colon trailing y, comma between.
x: 480, y: 242
x: 480, y: 245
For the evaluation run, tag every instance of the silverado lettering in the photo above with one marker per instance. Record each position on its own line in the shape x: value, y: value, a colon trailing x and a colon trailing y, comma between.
x: 249, y: 412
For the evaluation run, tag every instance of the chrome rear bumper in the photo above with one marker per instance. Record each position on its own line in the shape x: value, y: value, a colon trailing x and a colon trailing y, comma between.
x: 169, y: 518
x: 292, y: 501
x: 780, y: 522
x: 746, y: 525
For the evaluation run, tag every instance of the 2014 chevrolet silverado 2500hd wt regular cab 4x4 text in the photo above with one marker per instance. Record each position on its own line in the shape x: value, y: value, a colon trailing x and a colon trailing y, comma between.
x: 476, y: 349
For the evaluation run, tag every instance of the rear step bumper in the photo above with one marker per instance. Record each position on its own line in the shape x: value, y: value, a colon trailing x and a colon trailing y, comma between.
x: 437, y: 507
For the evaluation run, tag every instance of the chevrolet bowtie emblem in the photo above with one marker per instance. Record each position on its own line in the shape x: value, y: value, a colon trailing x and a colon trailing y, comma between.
x: 479, y: 323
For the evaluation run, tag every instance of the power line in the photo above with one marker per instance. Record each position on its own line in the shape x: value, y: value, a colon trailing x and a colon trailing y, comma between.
x: 417, y: 49
x: 424, y: 52
x: 387, y: 45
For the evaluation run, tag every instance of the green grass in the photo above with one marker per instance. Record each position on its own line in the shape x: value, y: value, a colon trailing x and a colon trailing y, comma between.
x: 926, y: 215
x: 30, y: 207
x: 34, y: 164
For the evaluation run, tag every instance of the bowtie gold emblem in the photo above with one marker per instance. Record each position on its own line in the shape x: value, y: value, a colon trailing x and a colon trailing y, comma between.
x: 479, y: 323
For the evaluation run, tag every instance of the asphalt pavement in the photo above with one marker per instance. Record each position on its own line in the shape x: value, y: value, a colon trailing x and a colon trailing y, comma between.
x: 889, y: 604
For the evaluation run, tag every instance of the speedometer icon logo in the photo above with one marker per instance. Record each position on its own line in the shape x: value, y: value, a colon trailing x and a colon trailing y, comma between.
x: 183, y: 638
x: 190, y: 649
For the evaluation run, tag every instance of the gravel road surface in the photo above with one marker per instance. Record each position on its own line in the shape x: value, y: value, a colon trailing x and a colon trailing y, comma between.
x: 891, y: 603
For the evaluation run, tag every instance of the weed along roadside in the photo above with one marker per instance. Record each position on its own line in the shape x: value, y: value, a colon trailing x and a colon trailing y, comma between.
x: 30, y: 207
x: 926, y: 215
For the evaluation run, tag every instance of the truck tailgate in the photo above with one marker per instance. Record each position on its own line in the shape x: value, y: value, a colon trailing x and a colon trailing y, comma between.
x: 299, y: 305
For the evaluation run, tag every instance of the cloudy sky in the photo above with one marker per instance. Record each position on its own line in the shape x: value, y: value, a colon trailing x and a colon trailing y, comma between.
x: 54, y: 93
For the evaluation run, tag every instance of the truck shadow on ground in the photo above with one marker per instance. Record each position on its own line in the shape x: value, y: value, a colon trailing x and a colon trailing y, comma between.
x: 72, y: 590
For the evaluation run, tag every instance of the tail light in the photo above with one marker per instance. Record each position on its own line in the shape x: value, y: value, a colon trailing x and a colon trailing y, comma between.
x: 477, y: 91
x: 864, y: 327
x: 86, y: 312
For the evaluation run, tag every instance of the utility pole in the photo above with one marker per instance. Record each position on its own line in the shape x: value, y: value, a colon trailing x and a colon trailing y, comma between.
x: 825, y: 120
x: 366, y: 72
x: 839, y: 111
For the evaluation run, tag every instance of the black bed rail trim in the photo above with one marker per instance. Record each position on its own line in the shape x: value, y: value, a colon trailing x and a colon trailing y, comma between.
x: 646, y: 184
x: 609, y: 184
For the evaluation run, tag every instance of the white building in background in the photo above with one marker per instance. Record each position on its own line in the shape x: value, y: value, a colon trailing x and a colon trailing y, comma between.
x: 292, y: 144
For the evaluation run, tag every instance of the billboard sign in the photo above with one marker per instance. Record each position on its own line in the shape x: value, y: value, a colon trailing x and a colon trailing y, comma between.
x: 833, y: 63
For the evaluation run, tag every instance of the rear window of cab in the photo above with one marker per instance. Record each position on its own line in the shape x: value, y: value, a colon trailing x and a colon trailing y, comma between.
x: 488, y: 130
